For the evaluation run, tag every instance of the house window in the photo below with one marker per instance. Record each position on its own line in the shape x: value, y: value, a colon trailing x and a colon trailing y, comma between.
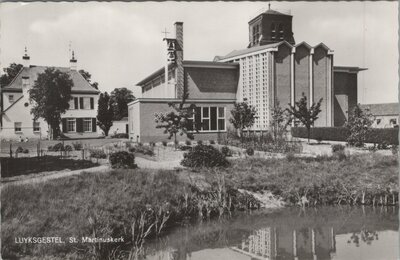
x: 221, y: 118
x: 36, y: 127
x: 18, y: 127
x: 87, y: 125
x: 273, y: 31
x: 71, y: 125
x: 72, y: 104
x: 86, y: 103
x: 11, y: 98
x: 393, y: 121
x: 378, y: 121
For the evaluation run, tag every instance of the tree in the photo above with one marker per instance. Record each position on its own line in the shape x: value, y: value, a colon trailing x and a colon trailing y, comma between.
x: 88, y: 78
x: 120, y: 98
x: 10, y: 73
x: 359, y: 125
x: 51, y: 94
x: 280, y: 119
x: 105, y: 113
x: 305, y: 114
x: 243, y: 116
x: 178, y: 121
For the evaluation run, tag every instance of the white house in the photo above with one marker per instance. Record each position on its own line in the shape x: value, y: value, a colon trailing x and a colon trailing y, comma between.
x: 386, y: 115
x: 17, y: 121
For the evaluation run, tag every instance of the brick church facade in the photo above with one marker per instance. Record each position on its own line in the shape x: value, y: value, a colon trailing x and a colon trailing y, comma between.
x: 272, y: 69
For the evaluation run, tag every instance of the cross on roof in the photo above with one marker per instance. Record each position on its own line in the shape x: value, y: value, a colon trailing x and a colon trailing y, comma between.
x: 165, y: 32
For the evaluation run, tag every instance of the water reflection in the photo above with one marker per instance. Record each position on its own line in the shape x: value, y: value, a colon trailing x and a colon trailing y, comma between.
x: 327, y: 233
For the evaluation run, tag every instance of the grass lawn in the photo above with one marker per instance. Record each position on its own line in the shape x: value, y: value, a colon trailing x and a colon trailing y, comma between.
x: 29, y: 165
x: 111, y: 203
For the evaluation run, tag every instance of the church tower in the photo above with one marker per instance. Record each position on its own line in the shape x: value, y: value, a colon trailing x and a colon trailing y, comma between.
x: 270, y: 27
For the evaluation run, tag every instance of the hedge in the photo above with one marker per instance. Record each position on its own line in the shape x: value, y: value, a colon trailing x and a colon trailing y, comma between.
x: 376, y: 135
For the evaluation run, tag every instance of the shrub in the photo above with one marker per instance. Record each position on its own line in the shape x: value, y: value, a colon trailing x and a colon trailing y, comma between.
x: 140, y: 144
x: 212, y: 142
x: 132, y: 149
x: 200, y: 142
x: 120, y: 135
x: 152, y: 144
x: 58, y: 147
x: 383, y: 145
x: 250, y: 151
x: 164, y: 143
x: 68, y: 148
x: 290, y: 156
x: 188, y: 142
x: 144, y: 150
x: 337, y: 148
x: 19, y: 149
x: 204, y: 156
x: 26, y: 151
x: 184, y: 147
x: 98, y: 154
x: 394, y: 149
x: 77, y: 146
x: 319, y: 139
x: 340, y: 155
x: 226, y: 151
x: 122, y: 159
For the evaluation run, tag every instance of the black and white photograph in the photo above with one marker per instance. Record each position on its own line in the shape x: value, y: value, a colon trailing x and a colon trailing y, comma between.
x: 199, y: 130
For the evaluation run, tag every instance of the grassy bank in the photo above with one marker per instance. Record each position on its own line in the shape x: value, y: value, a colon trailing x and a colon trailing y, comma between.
x: 140, y: 204
x: 359, y: 179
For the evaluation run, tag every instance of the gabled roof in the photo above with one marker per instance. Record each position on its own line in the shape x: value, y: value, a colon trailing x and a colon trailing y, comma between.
x: 81, y: 85
x: 308, y: 46
x: 383, y: 109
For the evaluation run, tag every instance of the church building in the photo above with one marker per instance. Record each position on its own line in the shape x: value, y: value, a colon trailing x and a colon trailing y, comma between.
x: 272, y: 70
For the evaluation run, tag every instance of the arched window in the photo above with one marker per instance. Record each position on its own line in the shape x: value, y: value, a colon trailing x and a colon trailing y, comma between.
x: 273, y: 31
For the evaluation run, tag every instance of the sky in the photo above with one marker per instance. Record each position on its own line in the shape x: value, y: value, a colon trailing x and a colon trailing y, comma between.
x: 121, y: 43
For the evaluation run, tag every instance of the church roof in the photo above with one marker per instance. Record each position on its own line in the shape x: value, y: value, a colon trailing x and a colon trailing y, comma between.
x: 383, y: 109
x: 235, y: 53
x: 270, y: 11
x: 81, y: 85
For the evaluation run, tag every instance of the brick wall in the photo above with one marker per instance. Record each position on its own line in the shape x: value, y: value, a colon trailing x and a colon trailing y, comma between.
x: 282, y: 75
x: 320, y: 70
x: 211, y: 83
x: 301, y: 73
x: 149, y: 132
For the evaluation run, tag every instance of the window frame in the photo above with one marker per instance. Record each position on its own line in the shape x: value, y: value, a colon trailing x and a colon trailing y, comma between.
x: 71, y: 120
x: 20, y: 127
x: 193, y: 119
x: 90, y: 125
x: 36, y: 129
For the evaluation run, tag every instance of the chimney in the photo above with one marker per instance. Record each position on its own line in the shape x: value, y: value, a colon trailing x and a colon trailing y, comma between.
x: 25, y: 86
x: 26, y: 59
x: 72, y: 62
x: 179, y: 59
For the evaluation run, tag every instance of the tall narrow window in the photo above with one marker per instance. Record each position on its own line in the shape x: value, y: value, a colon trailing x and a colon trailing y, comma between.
x: 273, y: 31
x: 280, y: 32
x: 18, y: 127
x: 76, y: 106
x: 36, y: 126
x: 11, y: 98
x: 71, y: 125
x: 221, y: 118
x: 87, y: 125
x: 206, y: 119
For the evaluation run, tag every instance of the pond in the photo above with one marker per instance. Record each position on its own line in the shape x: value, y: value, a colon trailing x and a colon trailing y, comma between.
x: 367, y: 233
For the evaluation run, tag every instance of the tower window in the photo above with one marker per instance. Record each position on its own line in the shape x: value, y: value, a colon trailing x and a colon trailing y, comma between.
x: 280, y: 31
x: 256, y: 34
x: 273, y: 31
